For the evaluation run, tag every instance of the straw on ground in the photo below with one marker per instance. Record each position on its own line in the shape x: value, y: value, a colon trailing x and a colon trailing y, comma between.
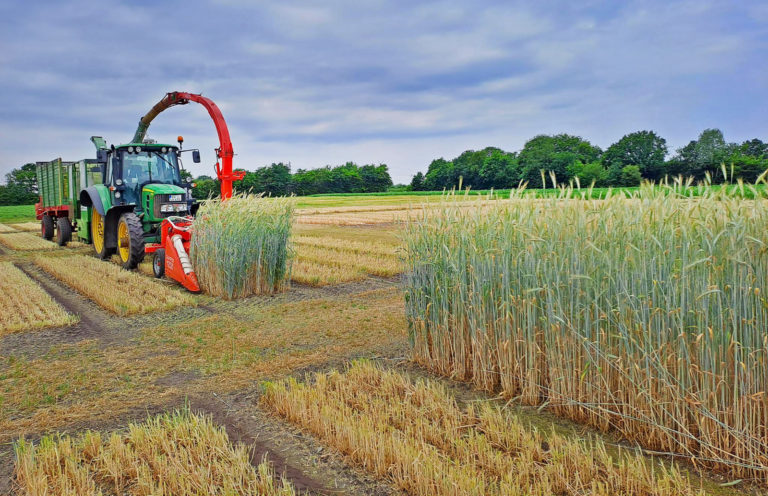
x: 416, y: 435
x: 178, y: 454
x: 25, y: 305
x: 127, y: 292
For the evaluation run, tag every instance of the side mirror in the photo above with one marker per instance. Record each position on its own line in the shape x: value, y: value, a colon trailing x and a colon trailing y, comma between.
x: 196, y: 156
x: 101, y: 156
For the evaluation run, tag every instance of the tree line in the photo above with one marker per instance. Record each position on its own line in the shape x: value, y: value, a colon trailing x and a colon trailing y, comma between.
x: 274, y: 179
x: 277, y: 180
x: 635, y: 157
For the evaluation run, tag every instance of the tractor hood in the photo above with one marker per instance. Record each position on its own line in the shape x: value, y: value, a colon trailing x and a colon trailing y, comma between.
x: 162, y: 189
x: 155, y: 198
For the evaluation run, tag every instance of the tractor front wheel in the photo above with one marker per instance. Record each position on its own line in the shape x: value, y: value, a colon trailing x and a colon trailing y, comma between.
x: 47, y: 227
x: 98, y: 235
x: 130, y: 240
x: 63, y: 231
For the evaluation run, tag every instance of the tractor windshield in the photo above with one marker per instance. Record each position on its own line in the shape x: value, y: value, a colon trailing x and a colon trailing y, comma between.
x: 148, y: 167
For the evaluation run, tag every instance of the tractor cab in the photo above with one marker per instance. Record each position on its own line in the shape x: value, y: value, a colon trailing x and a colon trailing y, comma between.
x: 148, y: 176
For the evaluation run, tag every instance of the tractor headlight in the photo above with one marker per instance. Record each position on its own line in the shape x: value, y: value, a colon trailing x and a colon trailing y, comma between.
x: 117, y: 194
x: 130, y: 149
x: 181, y: 207
x: 118, y: 182
x: 138, y: 149
x: 164, y: 149
x: 166, y: 208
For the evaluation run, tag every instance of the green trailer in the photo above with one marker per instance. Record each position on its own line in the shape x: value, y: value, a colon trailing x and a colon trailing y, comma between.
x: 59, y: 210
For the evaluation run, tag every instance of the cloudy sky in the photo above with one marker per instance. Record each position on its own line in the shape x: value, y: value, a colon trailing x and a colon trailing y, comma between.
x: 398, y: 82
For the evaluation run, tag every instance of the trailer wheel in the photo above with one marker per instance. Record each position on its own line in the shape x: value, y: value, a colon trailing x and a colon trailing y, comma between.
x: 130, y: 240
x: 98, y: 235
x: 63, y: 231
x: 47, y: 227
x: 158, y: 263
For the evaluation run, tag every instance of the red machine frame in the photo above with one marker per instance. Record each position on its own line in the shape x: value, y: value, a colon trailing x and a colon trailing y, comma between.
x: 224, y: 152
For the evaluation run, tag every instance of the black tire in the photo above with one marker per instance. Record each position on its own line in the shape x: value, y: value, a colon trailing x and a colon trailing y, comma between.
x: 130, y: 231
x: 63, y: 231
x: 158, y: 263
x: 47, y: 227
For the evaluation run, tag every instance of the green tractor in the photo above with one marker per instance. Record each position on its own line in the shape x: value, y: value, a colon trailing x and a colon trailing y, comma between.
x: 141, y: 184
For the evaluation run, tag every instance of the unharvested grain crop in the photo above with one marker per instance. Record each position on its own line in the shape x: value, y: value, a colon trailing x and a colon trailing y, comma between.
x: 645, y: 314
x: 241, y: 246
x: 23, y: 241
x: 25, y: 305
x: 416, y: 435
x: 171, y: 454
x: 117, y: 290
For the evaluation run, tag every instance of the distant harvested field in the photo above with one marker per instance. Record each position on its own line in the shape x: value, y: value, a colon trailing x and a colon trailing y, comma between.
x: 126, y: 293
x: 415, y: 434
x: 319, y: 274
x: 27, y: 226
x: 23, y: 241
x: 175, y: 454
x: 340, y: 257
x: 24, y: 305
x: 377, y: 265
x: 365, y: 247
x: 6, y: 229
x: 356, y: 219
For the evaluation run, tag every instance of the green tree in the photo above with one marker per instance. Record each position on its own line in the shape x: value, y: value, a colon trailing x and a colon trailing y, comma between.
x: 588, y: 174
x: 554, y: 153
x: 206, y: 187
x: 375, y: 178
x: 417, y: 183
x: 644, y: 149
x: 630, y: 175
x: 440, y: 174
x: 24, y: 177
x: 754, y: 148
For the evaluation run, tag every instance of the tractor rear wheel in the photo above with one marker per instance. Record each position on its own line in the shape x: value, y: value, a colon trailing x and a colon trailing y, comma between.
x: 98, y: 235
x: 63, y: 231
x: 130, y: 240
x: 158, y: 263
x: 47, y: 227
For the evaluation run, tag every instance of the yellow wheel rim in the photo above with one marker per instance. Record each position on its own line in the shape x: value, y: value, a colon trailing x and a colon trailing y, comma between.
x: 123, y: 241
x: 97, y: 231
